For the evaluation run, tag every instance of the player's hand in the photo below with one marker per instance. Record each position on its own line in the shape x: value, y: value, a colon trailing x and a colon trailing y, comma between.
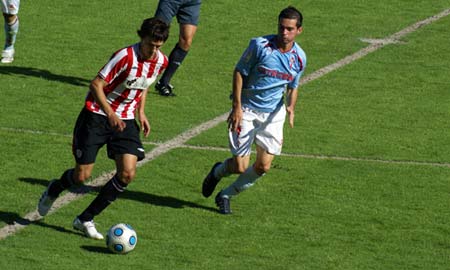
x: 234, y: 120
x: 145, y: 125
x: 116, y: 123
x: 291, y: 116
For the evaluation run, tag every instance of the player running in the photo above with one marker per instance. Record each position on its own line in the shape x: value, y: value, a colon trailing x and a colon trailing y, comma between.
x: 270, y: 68
x: 116, y: 94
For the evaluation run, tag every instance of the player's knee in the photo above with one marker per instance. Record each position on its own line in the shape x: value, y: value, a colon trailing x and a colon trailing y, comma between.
x: 240, y: 168
x: 81, y: 177
x: 261, y: 168
x: 126, y: 176
x: 185, y: 43
x: 10, y: 18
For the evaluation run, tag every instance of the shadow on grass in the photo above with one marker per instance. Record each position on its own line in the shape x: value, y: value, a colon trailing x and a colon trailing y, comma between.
x: 96, y: 249
x: 14, y: 218
x: 164, y: 201
x: 44, y: 74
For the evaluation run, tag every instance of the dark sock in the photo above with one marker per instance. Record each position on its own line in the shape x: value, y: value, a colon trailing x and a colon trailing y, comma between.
x: 176, y: 57
x: 62, y: 184
x: 109, y: 193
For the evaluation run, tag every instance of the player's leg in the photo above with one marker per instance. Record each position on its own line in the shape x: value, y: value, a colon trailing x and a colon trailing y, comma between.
x: 268, y: 138
x: 87, y: 140
x: 125, y: 148
x: 176, y: 57
x: 126, y: 170
x: 252, y: 173
x: 187, y: 16
x: 10, y: 10
x: 240, y: 146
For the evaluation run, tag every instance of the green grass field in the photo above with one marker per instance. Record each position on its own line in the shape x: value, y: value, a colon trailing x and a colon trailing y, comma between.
x: 364, y: 182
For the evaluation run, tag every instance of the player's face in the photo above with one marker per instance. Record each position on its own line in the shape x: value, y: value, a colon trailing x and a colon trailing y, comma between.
x: 149, y: 47
x: 287, y: 32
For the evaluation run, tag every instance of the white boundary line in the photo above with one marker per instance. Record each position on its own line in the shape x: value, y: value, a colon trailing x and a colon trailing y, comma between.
x: 179, y: 140
x: 325, y: 157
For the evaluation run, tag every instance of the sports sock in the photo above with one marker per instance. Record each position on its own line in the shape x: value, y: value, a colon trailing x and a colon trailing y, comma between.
x: 243, y: 182
x: 11, y: 31
x: 108, y: 194
x: 222, y: 170
x: 62, y: 184
x: 176, y: 57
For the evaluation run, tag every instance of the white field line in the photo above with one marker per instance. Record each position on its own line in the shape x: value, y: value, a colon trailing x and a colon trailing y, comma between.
x: 185, y: 136
x: 325, y: 157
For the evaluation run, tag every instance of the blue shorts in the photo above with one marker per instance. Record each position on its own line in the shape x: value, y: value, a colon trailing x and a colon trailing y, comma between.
x: 92, y: 131
x: 186, y: 11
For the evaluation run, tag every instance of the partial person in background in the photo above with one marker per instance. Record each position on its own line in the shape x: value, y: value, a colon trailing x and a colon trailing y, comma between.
x: 116, y: 96
x: 269, y: 69
x: 10, y: 8
x: 187, y: 13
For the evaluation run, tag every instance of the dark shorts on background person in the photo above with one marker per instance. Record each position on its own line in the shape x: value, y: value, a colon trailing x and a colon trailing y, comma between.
x: 186, y: 11
x: 92, y: 131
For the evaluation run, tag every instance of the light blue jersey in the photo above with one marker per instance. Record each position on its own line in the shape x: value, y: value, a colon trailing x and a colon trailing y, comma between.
x: 267, y: 72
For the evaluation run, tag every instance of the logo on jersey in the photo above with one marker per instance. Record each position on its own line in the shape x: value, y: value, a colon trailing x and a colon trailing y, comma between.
x: 140, y: 83
x: 291, y: 61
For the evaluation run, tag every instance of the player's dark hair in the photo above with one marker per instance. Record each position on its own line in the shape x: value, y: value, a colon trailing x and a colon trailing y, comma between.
x: 291, y: 13
x: 155, y: 29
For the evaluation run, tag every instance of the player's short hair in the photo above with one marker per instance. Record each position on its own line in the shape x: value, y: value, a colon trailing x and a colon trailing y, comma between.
x: 154, y: 28
x: 291, y: 13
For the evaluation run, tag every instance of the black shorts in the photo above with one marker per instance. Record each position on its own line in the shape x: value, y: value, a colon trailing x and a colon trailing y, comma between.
x: 187, y: 11
x: 92, y: 131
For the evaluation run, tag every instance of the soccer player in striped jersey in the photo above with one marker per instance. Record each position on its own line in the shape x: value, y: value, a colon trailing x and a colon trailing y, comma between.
x: 116, y: 95
x: 269, y: 69
x: 10, y: 8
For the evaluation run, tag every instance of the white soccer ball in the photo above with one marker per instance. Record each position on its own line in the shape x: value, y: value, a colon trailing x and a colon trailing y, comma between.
x: 121, y: 238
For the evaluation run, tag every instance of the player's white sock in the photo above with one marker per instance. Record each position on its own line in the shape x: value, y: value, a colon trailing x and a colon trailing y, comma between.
x: 243, y: 182
x: 11, y: 33
x: 222, y: 170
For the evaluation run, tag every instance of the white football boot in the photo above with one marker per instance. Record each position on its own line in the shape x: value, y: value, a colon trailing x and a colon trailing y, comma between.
x: 8, y: 56
x: 88, y: 228
x: 45, y: 202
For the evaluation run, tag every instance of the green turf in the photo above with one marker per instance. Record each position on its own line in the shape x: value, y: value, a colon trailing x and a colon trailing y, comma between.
x: 306, y: 213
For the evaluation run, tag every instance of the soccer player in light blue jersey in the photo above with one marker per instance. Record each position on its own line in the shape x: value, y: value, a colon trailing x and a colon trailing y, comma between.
x: 267, y: 73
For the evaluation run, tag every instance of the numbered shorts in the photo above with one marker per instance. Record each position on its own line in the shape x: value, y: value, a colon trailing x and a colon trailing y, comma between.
x: 186, y: 11
x: 10, y: 6
x: 265, y: 129
x: 92, y: 131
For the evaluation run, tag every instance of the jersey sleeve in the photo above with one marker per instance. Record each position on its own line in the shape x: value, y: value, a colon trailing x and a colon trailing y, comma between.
x: 248, y: 58
x: 115, y: 66
x: 301, y: 65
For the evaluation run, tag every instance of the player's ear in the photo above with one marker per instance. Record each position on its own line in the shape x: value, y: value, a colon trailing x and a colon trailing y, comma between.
x: 299, y: 30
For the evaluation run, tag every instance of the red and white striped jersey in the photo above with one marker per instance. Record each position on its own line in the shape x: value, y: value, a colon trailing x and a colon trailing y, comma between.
x: 127, y: 76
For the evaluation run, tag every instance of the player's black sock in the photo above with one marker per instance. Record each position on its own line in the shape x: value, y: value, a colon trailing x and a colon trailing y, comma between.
x: 62, y: 184
x: 109, y: 193
x: 176, y: 57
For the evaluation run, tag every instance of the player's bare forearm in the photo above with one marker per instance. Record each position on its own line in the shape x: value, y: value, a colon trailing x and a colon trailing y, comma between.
x: 235, y: 117
x: 291, y: 101
x: 96, y: 87
x: 145, y: 124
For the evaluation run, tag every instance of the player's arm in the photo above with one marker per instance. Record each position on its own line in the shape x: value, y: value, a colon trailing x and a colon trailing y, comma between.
x: 291, y: 101
x: 145, y: 124
x: 235, y: 117
x: 96, y: 87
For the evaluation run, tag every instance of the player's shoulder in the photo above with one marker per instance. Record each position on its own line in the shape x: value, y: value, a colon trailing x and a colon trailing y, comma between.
x: 299, y: 51
x: 264, y: 40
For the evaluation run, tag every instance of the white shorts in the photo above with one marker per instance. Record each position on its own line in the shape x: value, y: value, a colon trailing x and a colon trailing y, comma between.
x: 265, y: 129
x: 10, y: 6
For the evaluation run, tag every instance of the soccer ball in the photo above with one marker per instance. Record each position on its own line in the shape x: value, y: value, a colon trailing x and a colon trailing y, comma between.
x: 121, y: 238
